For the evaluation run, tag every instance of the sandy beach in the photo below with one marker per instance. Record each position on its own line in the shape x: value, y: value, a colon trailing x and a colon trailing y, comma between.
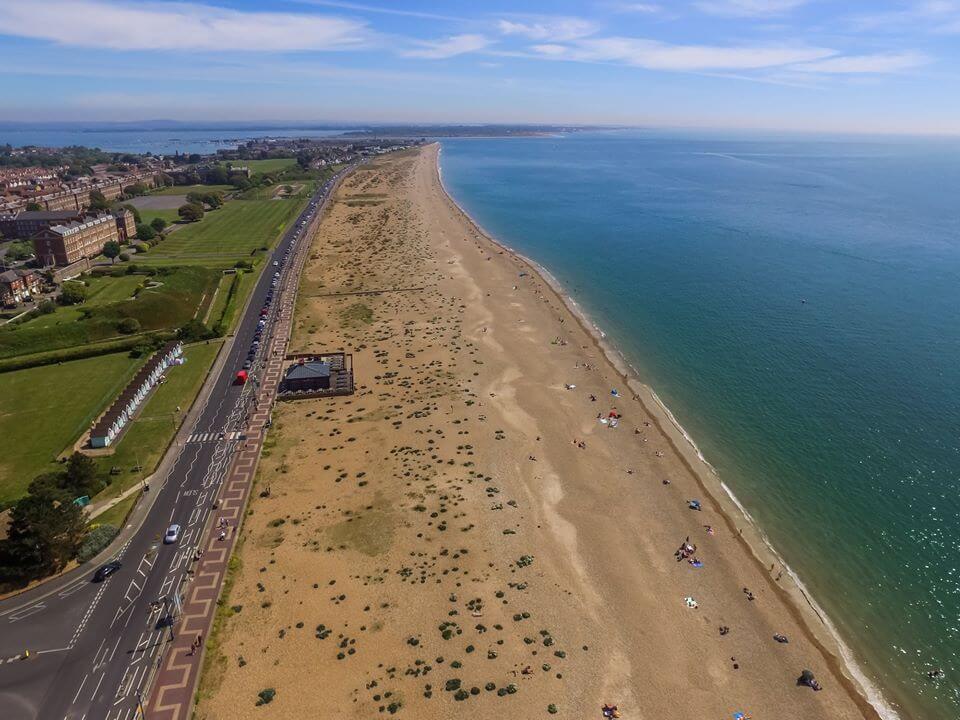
x: 470, y: 535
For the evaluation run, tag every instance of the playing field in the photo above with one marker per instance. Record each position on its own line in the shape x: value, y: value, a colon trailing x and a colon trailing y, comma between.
x: 234, y: 232
x: 266, y: 166
x: 44, y: 409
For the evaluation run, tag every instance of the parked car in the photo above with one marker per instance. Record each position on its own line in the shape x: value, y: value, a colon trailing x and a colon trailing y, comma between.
x: 106, y: 571
x: 172, y: 535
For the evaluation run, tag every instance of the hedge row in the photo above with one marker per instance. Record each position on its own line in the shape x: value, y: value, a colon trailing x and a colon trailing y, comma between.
x: 83, y: 351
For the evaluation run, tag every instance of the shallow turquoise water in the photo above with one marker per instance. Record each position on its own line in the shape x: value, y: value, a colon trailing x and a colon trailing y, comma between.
x: 836, y: 421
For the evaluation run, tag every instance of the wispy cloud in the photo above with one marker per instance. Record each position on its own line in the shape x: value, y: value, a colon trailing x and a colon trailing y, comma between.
x: 865, y: 64
x: 448, y: 47
x: 379, y: 10
x: 554, y: 29
x: 748, y: 8
x: 175, y: 26
x: 655, y: 55
x: 637, y: 7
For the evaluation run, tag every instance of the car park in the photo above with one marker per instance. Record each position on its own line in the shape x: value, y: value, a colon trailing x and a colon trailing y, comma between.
x: 172, y: 534
x: 105, y: 571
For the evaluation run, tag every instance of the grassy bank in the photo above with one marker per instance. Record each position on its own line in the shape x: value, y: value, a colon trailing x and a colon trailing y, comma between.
x: 164, y: 302
x: 43, y: 410
x: 145, y: 441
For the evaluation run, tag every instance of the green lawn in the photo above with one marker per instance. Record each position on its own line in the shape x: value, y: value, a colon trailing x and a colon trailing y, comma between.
x: 147, y: 215
x: 169, y: 305
x: 234, y: 232
x: 265, y: 166
x: 184, y: 189
x: 146, y: 439
x: 43, y: 410
x: 117, y: 515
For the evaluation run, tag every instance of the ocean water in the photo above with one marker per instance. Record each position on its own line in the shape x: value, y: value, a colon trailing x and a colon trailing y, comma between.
x: 159, y: 141
x: 795, y: 302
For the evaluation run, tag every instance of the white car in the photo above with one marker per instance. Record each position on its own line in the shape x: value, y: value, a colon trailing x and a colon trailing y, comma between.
x: 172, y: 535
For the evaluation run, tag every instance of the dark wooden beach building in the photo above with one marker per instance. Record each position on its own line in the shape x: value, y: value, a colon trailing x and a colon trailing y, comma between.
x: 317, y: 375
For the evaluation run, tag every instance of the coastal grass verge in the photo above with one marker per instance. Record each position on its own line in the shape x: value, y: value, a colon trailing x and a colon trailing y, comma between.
x: 44, y: 409
x: 151, y: 432
x: 117, y: 515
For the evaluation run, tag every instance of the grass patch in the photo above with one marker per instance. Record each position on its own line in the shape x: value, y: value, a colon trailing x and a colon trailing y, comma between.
x: 147, y: 438
x: 370, y: 533
x: 117, y: 515
x: 270, y: 165
x: 166, y: 302
x: 234, y: 232
x: 43, y: 410
x: 184, y: 189
x: 356, y: 314
x: 148, y: 215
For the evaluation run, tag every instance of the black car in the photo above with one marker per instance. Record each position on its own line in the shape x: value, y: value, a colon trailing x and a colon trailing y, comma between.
x: 106, y: 571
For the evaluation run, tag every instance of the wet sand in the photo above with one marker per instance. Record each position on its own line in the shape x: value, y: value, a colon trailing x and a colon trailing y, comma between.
x: 464, y: 537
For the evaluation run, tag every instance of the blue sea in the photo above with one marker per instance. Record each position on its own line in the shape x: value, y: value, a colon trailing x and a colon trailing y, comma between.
x: 795, y: 302
x: 159, y: 141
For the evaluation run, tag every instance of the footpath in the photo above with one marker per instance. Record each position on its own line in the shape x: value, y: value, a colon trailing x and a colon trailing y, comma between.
x: 171, y: 690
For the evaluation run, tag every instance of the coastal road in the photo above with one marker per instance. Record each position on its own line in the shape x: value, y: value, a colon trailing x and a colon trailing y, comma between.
x: 74, y: 649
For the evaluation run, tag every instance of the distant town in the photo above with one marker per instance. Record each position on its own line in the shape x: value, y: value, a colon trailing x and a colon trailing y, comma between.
x: 65, y: 210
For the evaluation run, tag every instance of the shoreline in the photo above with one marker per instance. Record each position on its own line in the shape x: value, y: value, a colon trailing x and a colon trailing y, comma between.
x: 797, y: 599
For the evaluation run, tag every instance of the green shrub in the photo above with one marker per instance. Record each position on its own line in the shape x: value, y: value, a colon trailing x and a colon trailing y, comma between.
x: 96, y: 541
x: 73, y: 293
x: 129, y: 326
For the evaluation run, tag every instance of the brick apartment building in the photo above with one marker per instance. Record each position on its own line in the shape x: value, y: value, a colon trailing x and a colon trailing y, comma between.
x: 66, y: 244
x: 126, y: 223
x: 18, y: 285
x: 28, y: 223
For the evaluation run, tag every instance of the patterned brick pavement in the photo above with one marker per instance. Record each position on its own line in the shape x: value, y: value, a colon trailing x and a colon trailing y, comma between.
x: 176, y: 678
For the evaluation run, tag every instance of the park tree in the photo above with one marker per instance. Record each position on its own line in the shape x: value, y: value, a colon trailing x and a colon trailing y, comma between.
x: 191, y: 212
x: 218, y: 176
x: 158, y: 224
x: 213, y: 200
x: 34, y: 207
x: 111, y: 249
x: 72, y: 293
x: 195, y: 197
x: 44, y: 534
x: 80, y: 476
x: 240, y: 181
x: 98, y: 202
x: 303, y: 160
x: 135, y: 190
x: 145, y: 232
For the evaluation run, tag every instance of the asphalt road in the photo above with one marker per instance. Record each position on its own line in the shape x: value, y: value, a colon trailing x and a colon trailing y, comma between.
x: 92, y: 645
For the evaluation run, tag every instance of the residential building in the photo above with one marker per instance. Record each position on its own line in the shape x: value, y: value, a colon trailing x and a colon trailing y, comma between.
x: 126, y: 223
x: 65, y: 244
x: 121, y: 412
x: 18, y: 285
x: 28, y: 223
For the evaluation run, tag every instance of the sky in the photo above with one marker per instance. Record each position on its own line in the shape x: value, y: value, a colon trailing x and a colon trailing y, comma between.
x: 849, y: 66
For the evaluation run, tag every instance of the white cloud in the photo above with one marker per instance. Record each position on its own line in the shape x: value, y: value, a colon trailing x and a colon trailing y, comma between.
x: 865, y: 64
x: 449, y: 47
x: 655, y: 55
x: 554, y: 29
x: 635, y: 7
x: 749, y: 7
x: 174, y: 26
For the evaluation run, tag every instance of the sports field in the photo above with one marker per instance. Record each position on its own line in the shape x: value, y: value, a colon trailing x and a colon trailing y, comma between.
x: 234, y: 232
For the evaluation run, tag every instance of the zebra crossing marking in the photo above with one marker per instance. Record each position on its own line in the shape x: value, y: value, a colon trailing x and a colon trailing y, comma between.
x: 203, y: 437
